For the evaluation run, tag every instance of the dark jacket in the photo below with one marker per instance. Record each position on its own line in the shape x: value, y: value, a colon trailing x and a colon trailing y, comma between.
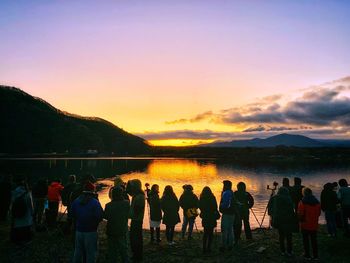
x: 329, y: 199
x: 188, y: 200
x: 283, y: 216
x: 297, y: 194
x: 87, y: 213
x: 137, y: 209
x: 40, y: 189
x: 209, y: 211
x: 170, y: 207
x: 155, y: 208
x: 244, y: 201
x: 117, y: 213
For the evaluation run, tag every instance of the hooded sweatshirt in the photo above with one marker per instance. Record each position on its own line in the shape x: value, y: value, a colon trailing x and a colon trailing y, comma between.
x: 54, y: 192
x: 309, y: 210
x: 87, y: 212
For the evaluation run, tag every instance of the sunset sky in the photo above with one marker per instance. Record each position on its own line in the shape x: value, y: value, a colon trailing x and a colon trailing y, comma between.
x: 184, y: 72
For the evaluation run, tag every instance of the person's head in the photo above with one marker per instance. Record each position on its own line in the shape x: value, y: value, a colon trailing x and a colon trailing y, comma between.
x: 168, y: 191
x: 227, y: 185
x: 155, y: 188
x: 117, y: 193
x: 72, y: 178
x: 118, y: 181
x: 187, y: 188
x: 297, y: 181
x: 307, y: 192
x: 283, y: 191
x: 343, y: 183
x: 285, y: 182
x: 134, y: 187
x: 335, y: 185
x: 328, y: 186
x: 241, y: 187
x: 20, y: 180
x: 206, y: 192
x: 56, y: 180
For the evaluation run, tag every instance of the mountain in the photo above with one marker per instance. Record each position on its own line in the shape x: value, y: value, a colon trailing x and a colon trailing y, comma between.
x: 277, y: 140
x: 31, y: 125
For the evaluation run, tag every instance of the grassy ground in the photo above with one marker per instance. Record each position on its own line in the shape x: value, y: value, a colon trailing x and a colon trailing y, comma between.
x: 54, y: 246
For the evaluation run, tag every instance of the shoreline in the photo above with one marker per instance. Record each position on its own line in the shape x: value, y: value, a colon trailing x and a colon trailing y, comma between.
x: 54, y: 246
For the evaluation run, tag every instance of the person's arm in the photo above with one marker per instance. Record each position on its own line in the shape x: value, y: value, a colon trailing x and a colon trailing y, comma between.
x: 301, y: 211
x: 139, y: 205
x: 99, y: 212
x: 250, y: 200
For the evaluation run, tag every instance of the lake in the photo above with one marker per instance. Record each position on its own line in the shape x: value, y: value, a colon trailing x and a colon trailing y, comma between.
x: 177, y: 172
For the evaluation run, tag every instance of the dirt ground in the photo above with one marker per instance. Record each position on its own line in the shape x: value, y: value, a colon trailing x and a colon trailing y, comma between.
x: 55, y: 246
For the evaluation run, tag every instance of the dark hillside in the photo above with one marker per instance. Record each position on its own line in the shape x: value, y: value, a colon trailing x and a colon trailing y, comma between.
x: 31, y: 125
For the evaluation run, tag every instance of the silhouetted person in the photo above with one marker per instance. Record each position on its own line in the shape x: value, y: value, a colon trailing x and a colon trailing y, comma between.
x: 5, y: 196
x: 117, y: 213
x: 155, y: 212
x: 209, y: 214
x: 344, y: 198
x: 54, y: 198
x: 309, y: 210
x: 39, y: 193
x: 297, y: 192
x: 283, y: 219
x: 118, y: 182
x: 136, y: 214
x: 244, y: 201
x: 68, y: 196
x: 228, y: 209
x: 87, y: 214
x: 285, y: 183
x: 170, y: 206
x: 22, y: 213
x: 189, y: 204
x: 329, y: 201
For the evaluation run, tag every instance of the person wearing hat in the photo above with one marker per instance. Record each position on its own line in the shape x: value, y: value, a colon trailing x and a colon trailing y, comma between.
x: 189, y: 204
x: 228, y: 209
x: 87, y: 213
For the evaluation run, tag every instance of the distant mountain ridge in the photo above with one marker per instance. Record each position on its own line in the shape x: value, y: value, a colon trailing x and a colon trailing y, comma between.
x: 32, y: 125
x: 284, y: 139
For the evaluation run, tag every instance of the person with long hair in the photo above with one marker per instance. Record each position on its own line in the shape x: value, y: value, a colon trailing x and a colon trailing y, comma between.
x: 170, y: 206
x: 209, y: 214
x: 155, y: 212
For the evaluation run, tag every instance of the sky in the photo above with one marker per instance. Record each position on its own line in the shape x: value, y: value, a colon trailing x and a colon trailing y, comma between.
x: 186, y: 72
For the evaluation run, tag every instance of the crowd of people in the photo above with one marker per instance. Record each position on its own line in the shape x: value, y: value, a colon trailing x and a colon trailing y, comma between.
x: 292, y: 209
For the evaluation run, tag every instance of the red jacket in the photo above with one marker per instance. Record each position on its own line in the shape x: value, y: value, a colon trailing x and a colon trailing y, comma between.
x: 309, y: 210
x: 54, y: 192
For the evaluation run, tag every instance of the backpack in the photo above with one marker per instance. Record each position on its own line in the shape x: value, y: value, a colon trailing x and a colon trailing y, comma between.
x: 19, y: 206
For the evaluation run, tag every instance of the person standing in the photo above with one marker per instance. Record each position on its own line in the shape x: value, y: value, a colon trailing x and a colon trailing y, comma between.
x: 5, y: 196
x: 39, y: 193
x: 228, y: 209
x: 87, y: 213
x: 22, y: 213
x: 329, y: 201
x: 344, y: 198
x: 297, y: 192
x: 245, y: 201
x: 309, y: 210
x: 117, y: 213
x: 209, y: 214
x: 155, y: 212
x: 189, y: 204
x: 54, y: 198
x: 170, y: 206
x: 283, y: 219
x: 136, y: 215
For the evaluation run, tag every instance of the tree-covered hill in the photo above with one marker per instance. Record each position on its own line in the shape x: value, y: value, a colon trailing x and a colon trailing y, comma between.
x: 31, y: 125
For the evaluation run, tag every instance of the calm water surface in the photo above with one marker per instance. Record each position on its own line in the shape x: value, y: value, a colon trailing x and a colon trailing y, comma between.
x: 177, y: 172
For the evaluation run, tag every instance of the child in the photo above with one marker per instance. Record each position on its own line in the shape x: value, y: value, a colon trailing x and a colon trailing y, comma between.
x: 309, y: 210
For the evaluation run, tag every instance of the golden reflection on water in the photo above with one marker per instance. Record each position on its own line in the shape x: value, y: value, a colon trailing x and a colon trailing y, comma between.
x: 177, y: 172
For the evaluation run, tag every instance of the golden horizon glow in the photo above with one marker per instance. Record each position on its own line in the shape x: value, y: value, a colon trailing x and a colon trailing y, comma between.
x: 178, y: 142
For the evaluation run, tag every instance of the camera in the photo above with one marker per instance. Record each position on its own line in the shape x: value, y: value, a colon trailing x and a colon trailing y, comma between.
x: 275, y: 184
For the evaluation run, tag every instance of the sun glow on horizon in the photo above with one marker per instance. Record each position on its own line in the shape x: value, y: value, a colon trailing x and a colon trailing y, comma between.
x: 179, y: 142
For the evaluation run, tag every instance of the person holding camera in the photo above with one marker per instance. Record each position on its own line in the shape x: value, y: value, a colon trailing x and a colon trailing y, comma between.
x: 189, y: 204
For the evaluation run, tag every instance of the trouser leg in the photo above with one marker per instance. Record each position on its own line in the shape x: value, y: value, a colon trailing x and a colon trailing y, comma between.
x: 281, y: 240
x: 313, y: 237
x: 305, y: 234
